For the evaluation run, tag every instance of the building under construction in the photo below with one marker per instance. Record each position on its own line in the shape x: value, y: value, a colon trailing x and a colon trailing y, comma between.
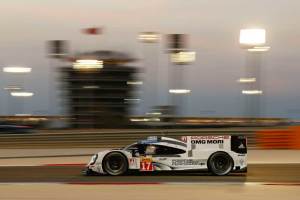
x: 99, y: 89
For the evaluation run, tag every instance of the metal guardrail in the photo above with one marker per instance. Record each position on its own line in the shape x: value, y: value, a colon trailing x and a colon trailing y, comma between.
x: 108, y: 139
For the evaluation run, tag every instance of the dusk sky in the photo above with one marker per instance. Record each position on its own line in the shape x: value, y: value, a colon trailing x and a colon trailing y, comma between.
x: 213, y: 28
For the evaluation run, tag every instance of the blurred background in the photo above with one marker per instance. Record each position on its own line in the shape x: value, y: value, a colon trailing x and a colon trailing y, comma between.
x: 80, y: 76
x: 149, y: 64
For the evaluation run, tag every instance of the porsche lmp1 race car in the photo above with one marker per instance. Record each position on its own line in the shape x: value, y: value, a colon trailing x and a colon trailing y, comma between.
x: 219, y: 155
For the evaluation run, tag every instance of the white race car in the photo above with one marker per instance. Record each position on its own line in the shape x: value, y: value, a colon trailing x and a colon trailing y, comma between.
x: 219, y: 155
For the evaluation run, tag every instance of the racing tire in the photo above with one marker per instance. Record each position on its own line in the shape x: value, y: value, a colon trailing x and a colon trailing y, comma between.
x: 220, y: 163
x: 115, y: 164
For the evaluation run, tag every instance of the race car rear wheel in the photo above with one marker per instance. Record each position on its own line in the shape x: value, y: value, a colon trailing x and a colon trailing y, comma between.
x: 115, y: 163
x: 220, y: 163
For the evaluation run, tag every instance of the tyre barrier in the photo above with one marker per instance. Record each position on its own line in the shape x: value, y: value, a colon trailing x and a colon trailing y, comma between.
x: 288, y: 138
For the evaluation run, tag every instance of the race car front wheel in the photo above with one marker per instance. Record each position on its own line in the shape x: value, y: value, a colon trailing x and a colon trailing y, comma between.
x: 115, y: 163
x: 220, y: 163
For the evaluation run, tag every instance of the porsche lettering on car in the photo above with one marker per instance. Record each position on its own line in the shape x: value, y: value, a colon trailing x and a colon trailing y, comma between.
x: 220, y: 155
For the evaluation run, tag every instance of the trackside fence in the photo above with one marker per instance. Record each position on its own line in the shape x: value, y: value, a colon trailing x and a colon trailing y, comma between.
x: 279, y: 138
x: 106, y: 139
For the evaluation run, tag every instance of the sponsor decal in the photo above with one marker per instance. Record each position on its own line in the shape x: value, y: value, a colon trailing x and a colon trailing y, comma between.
x: 241, y: 162
x: 211, y: 137
x: 162, y: 159
x: 132, y: 161
x: 146, y: 164
x: 146, y: 159
x: 177, y: 162
x: 184, y: 139
x: 207, y: 141
x: 150, y: 140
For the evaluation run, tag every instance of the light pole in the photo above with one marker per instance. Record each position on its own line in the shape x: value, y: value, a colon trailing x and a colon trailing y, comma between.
x: 179, y: 57
x: 253, y: 41
x: 179, y: 88
x: 150, y: 41
x: 58, y: 52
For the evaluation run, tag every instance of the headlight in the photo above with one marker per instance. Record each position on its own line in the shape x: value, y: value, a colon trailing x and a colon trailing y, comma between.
x: 94, y: 159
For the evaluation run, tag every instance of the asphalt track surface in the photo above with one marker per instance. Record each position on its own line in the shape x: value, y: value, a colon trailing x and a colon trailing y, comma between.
x: 266, y: 173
